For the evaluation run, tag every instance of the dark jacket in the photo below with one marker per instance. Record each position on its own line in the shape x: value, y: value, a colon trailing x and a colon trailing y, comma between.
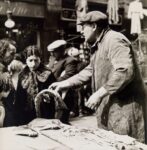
x: 8, y: 102
x: 29, y: 85
x: 67, y: 66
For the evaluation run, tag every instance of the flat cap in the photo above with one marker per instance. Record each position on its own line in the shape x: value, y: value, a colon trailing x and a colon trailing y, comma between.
x: 54, y: 45
x: 92, y: 16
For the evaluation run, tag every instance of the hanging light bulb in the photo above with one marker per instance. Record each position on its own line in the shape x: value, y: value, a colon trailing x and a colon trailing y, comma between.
x: 9, y: 22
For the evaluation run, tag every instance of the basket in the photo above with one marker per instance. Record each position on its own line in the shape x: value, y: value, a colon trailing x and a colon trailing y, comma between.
x: 49, y: 95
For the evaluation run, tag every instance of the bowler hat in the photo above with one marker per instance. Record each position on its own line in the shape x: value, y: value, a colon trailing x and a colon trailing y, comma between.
x: 93, y: 16
x: 56, y: 44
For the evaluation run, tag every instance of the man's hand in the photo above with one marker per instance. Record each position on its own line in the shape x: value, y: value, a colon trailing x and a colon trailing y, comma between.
x: 94, y: 101
x: 59, y: 86
x: 96, y: 98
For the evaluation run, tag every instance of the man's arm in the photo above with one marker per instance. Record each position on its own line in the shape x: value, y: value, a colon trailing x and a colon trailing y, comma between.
x: 70, y: 69
x: 82, y: 77
x: 121, y: 57
x: 77, y: 80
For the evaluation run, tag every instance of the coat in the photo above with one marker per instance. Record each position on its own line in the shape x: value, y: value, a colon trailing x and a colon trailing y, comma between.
x: 114, y: 67
x: 29, y: 85
x: 135, y: 13
x: 8, y: 102
x: 63, y: 69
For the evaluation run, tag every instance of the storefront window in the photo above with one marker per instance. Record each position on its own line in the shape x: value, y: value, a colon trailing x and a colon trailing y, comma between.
x: 24, y: 33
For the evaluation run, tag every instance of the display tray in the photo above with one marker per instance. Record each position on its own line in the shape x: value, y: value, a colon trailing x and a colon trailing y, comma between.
x: 43, y: 134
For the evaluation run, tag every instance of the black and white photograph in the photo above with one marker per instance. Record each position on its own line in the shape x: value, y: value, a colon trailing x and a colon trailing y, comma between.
x: 73, y: 74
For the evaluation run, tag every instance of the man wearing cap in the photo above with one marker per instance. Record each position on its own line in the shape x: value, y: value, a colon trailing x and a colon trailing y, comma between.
x: 118, y: 90
x: 63, y: 67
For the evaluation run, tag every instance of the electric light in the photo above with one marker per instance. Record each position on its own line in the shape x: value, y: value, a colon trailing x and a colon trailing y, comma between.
x: 9, y: 22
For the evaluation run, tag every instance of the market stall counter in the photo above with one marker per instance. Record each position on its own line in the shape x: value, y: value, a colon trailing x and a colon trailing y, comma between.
x: 45, y: 134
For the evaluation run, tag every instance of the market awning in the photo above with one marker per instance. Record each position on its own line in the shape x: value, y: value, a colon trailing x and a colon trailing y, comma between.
x: 23, y: 9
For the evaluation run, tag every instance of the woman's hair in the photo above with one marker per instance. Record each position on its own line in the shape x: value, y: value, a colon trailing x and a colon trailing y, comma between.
x: 5, y: 83
x: 32, y: 50
x: 16, y: 65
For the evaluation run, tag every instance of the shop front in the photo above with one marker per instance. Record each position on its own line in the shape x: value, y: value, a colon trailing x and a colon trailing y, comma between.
x: 28, y: 21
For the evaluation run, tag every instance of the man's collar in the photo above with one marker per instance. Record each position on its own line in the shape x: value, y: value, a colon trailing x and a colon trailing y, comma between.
x: 93, y: 47
x: 100, y: 37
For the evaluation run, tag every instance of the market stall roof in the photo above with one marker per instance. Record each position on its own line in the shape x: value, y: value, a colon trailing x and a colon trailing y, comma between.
x: 23, y: 9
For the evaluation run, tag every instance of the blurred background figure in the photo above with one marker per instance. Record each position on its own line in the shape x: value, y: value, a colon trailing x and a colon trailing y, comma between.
x: 7, y: 52
x: 5, y: 87
x: 63, y: 66
x: 81, y: 10
x: 74, y: 52
x: 84, y: 92
x: 14, y: 68
x: 135, y: 13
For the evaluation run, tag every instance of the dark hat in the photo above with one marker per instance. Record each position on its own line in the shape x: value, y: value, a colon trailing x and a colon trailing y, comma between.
x: 93, y: 16
x: 56, y: 44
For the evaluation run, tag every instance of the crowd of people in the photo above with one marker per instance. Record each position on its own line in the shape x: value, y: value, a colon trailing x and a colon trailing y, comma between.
x: 117, y: 91
x: 23, y: 76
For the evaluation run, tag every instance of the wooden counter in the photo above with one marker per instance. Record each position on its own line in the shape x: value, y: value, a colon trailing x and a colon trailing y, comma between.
x: 67, y: 138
